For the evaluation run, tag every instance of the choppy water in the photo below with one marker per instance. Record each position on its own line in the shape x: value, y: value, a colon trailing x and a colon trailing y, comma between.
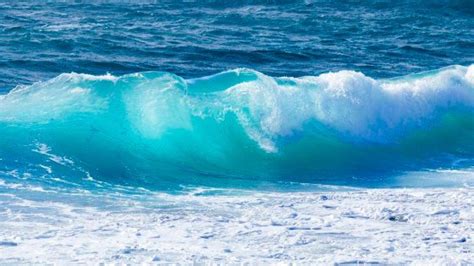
x: 203, y: 94
x: 382, y: 39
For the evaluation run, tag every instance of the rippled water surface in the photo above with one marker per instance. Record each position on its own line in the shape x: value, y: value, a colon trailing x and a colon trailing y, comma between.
x: 40, y: 40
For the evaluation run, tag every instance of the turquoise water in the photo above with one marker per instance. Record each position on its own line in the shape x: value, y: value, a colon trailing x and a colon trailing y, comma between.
x: 255, y: 95
x: 239, y: 128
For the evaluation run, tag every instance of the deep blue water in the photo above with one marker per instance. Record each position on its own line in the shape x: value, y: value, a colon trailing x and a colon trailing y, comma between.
x: 381, y: 38
x: 165, y: 94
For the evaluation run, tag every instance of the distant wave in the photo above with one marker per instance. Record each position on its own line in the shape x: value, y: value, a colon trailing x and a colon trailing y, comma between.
x: 157, y: 126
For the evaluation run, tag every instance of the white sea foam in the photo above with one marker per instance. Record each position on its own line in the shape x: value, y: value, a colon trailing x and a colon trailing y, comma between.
x: 419, y: 226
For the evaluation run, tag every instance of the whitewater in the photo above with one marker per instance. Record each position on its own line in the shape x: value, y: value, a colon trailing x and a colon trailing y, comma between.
x: 376, y: 226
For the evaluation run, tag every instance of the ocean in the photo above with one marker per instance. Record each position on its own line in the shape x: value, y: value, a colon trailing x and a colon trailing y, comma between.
x: 190, y: 132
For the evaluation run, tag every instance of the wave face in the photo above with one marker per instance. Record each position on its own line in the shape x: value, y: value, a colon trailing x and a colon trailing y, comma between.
x: 159, y: 130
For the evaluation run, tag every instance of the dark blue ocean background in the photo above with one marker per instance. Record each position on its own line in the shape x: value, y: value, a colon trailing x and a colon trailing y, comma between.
x: 40, y: 39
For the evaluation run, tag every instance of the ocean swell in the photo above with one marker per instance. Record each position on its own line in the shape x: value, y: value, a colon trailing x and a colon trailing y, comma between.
x: 157, y: 128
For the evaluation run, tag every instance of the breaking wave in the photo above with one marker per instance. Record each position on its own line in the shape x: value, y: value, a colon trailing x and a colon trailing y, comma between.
x: 157, y: 128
